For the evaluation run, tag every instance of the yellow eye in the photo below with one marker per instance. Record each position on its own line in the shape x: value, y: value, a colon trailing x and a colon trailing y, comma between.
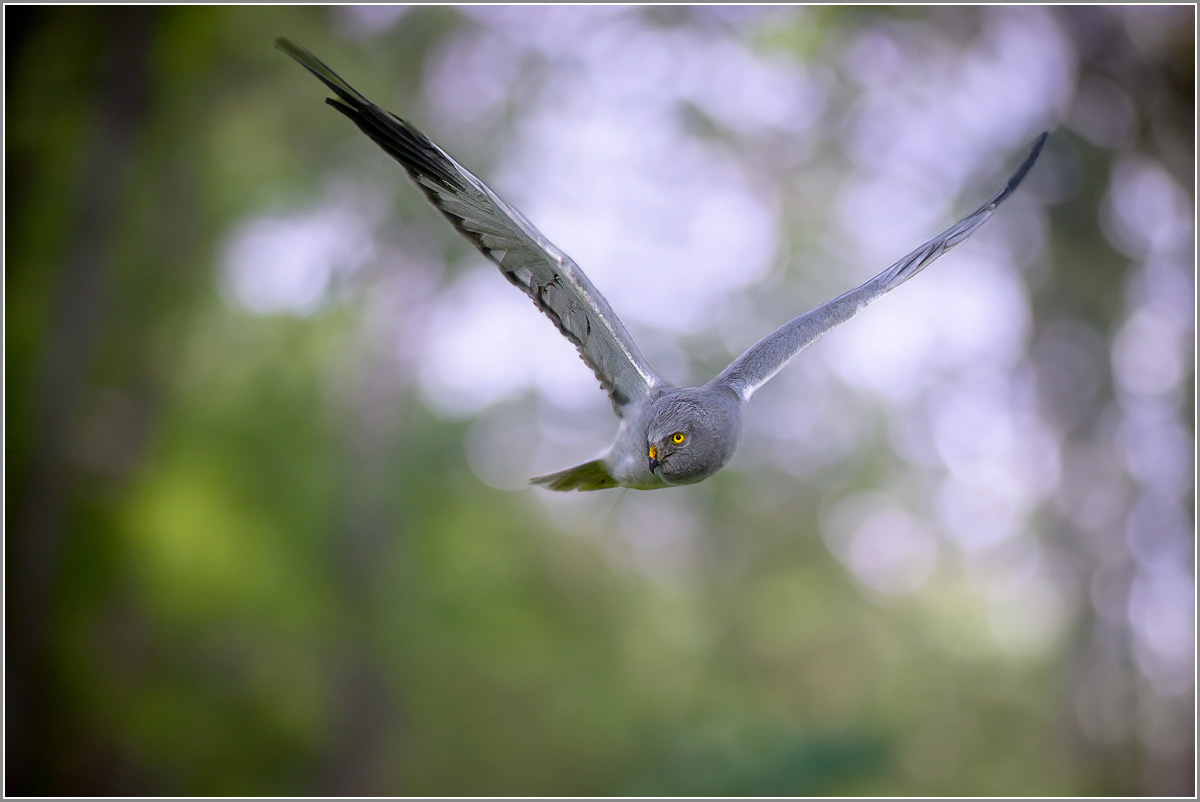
x: 678, y: 438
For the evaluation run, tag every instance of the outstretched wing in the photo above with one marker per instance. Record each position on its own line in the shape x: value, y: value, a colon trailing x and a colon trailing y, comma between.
x: 767, y: 357
x: 526, y: 258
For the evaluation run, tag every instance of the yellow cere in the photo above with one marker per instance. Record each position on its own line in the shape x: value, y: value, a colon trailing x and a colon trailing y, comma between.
x: 678, y: 438
x: 653, y: 452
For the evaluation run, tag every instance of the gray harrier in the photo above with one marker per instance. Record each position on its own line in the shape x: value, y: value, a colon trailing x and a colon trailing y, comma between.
x: 669, y: 435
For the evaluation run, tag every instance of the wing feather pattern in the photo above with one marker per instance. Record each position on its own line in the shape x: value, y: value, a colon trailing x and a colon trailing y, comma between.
x: 526, y: 258
x: 767, y: 357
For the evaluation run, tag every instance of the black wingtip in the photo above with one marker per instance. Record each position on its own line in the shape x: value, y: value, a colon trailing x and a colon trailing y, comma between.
x: 1034, y: 152
x: 298, y: 52
x: 322, y: 71
x: 1025, y: 167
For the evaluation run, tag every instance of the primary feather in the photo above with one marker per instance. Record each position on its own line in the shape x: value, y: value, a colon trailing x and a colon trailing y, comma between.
x: 526, y: 258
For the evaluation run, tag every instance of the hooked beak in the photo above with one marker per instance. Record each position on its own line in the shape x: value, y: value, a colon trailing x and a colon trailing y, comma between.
x: 653, y: 458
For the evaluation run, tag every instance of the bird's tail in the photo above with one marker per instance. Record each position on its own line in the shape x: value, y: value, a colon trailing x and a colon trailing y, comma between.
x: 592, y: 475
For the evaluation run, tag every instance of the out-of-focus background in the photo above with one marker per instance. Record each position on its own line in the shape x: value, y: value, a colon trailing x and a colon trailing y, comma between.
x: 268, y: 419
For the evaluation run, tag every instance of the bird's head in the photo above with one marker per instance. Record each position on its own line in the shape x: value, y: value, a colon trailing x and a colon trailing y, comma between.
x: 692, y: 434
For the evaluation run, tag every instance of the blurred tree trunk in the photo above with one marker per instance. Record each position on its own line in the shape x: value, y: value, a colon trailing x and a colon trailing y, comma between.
x: 362, y: 755
x: 42, y: 514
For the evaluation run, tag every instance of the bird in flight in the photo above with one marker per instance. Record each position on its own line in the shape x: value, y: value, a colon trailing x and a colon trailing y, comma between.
x: 668, y: 435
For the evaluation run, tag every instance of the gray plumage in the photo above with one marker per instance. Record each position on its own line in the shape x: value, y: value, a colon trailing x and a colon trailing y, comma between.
x: 668, y: 435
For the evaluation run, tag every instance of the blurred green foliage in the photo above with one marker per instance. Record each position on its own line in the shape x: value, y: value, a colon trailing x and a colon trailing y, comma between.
x: 219, y: 581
